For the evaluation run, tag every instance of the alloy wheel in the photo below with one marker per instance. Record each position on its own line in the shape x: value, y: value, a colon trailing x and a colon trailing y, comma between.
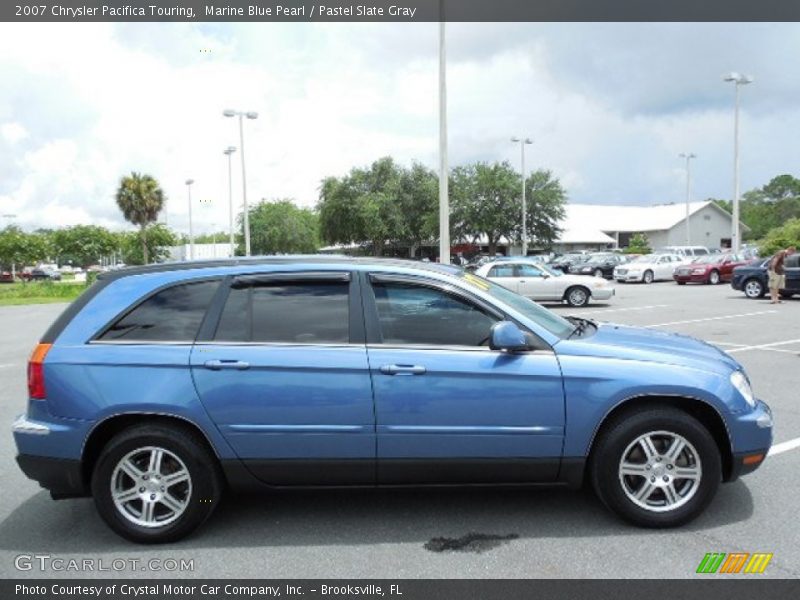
x: 753, y: 289
x: 151, y: 487
x: 660, y: 471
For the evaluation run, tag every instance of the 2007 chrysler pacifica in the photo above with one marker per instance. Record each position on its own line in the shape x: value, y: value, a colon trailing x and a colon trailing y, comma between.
x: 163, y: 385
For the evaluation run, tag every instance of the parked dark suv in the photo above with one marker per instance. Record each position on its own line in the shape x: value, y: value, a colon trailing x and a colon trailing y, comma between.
x: 163, y: 385
x: 752, y: 278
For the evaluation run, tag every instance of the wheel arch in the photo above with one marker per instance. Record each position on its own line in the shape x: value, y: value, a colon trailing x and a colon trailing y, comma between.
x: 105, y: 430
x: 697, y: 408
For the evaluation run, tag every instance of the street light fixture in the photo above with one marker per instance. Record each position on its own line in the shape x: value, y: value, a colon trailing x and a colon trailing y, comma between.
x: 688, y: 156
x: 229, y: 112
x: 522, y: 143
x: 189, y: 183
x: 228, y: 152
x: 738, y: 80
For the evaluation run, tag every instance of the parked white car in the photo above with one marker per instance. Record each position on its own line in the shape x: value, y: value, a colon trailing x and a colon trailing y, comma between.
x: 540, y: 282
x: 650, y: 268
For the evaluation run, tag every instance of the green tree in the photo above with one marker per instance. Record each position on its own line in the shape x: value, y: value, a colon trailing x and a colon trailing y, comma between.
x: 363, y: 206
x: 158, y: 239
x: 638, y: 244
x: 20, y: 249
x: 781, y: 237
x: 545, y: 200
x: 140, y: 199
x: 279, y: 227
x: 220, y: 237
x: 418, y: 201
x: 83, y: 245
x: 485, y: 201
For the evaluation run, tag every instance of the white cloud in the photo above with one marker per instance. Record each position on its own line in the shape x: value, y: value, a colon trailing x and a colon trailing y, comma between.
x: 609, y: 107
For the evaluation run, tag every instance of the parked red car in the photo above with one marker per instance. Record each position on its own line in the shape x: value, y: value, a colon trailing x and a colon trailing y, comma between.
x: 713, y: 269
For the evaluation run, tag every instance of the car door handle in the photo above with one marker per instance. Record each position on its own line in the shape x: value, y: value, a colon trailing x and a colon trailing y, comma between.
x: 402, y: 370
x: 216, y: 365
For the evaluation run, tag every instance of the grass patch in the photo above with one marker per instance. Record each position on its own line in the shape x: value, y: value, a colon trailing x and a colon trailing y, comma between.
x: 39, y: 292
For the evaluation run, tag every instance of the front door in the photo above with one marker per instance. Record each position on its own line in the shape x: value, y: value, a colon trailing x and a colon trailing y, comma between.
x: 537, y: 284
x: 449, y: 409
x: 284, y: 375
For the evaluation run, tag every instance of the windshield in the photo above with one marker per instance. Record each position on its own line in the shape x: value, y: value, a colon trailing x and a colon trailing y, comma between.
x: 552, y: 322
x: 550, y: 270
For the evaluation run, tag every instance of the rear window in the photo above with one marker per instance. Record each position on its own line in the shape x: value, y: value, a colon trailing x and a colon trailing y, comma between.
x: 301, y: 313
x: 171, y: 315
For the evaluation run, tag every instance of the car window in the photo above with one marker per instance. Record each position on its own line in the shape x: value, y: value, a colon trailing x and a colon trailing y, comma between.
x: 171, y: 315
x: 293, y: 313
x: 416, y: 314
x: 528, y: 271
x: 502, y: 271
x: 792, y: 261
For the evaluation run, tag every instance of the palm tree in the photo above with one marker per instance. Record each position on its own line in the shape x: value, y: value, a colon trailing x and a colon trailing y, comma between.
x: 140, y: 199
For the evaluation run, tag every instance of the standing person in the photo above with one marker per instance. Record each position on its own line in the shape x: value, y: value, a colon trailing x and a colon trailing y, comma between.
x: 777, y: 273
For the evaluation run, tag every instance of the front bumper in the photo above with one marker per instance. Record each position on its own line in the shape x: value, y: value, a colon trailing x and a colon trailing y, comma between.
x: 691, y: 278
x: 752, y: 437
x: 628, y: 277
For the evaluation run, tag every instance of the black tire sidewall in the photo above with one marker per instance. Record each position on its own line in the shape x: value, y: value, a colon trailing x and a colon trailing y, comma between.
x: 203, y: 470
x: 644, y: 277
x: 609, y: 449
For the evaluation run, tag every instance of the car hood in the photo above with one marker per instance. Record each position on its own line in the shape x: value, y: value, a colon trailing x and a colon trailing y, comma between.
x: 650, y: 345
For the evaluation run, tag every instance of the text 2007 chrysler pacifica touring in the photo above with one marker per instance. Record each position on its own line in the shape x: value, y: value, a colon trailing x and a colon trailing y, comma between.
x: 162, y: 385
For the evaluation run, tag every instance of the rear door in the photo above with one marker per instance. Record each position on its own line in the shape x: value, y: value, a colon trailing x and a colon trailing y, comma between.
x: 505, y: 275
x: 282, y: 370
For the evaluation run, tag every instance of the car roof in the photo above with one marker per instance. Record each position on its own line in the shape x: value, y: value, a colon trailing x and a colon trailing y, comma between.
x: 304, y: 259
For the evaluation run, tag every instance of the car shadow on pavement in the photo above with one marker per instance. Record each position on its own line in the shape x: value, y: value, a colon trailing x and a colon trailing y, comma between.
x: 356, y: 517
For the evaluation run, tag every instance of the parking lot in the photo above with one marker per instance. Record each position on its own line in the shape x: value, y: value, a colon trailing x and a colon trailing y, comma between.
x: 391, y: 534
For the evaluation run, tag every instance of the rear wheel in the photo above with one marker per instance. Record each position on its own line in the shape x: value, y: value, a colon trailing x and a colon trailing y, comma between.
x: 713, y: 277
x: 648, y: 276
x: 598, y: 273
x: 577, y: 296
x: 786, y: 295
x: 681, y: 283
x: 657, y: 467
x: 753, y: 288
x: 156, y: 483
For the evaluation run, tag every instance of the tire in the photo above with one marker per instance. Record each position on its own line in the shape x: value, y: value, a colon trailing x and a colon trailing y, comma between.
x: 180, y: 507
x: 598, y: 273
x: 754, y: 289
x: 648, y: 276
x: 577, y: 295
x: 786, y: 295
x: 713, y: 277
x: 681, y: 282
x: 668, y: 500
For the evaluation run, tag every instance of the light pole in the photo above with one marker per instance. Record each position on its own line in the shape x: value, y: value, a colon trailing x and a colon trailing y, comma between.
x: 444, y: 201
x: 688, y: 156
x: 189, y: 183
x: 522, y: 143
x: 738, y: 80
x: 250, y: 115
x: 228, y: 152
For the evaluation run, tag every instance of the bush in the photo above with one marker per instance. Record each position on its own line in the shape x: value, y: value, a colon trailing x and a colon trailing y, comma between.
x: 781, y: 237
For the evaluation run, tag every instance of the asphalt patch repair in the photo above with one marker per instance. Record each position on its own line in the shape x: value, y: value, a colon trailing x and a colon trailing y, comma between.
x: 472, y: 542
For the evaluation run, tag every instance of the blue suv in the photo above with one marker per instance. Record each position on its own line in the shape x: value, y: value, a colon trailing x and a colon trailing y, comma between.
x: 162, y: 386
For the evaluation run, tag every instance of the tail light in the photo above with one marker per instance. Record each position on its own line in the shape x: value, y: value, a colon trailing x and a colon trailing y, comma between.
x: 36, y: 371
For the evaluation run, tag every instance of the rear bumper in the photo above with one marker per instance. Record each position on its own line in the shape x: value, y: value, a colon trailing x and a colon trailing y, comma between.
x: 602, y: 293
x: 63, y: 477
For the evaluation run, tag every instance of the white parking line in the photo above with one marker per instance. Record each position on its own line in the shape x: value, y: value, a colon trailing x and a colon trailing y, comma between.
x: 605, y: 310
x: 750, y: 314
x: 784, y: 447
x: 7, y: 365
x: 765, y: 346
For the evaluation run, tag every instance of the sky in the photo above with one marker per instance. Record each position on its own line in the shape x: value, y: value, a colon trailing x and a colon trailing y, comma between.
x: 608, y: 106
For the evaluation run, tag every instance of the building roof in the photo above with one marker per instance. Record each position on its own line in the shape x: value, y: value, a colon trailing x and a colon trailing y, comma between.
x: 631, y: 219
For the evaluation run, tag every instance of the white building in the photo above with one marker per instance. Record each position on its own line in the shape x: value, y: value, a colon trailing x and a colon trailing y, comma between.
x: 201, y: 252
x: 590, y: 226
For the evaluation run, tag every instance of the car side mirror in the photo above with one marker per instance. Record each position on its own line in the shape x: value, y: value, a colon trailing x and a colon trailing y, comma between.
x: 507, y: 337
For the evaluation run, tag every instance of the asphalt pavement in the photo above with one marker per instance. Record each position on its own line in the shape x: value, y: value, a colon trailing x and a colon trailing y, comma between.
x: 453, y: 533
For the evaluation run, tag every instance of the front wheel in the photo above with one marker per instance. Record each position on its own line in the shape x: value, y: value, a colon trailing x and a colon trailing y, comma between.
x: 598, y: 273
x: 753, y: 289
x: 648, y: 277
x: 156, y: 483
x: 577, y: 296
x: 657, y: 467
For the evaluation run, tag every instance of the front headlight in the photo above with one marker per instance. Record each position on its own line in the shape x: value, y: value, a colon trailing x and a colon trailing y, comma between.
x: 739, y: 381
